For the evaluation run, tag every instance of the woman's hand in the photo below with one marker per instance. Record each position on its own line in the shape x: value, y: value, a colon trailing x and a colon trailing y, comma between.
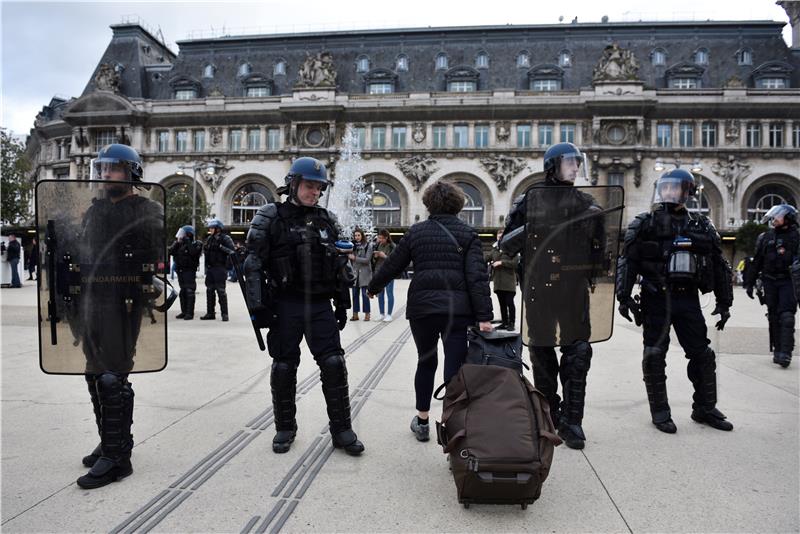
x: 497, y: 264
x: 485, y: 326
x: 351, y: 257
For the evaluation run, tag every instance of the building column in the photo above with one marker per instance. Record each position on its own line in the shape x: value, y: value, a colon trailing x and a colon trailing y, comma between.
x: 764, y: 133
x: 653, y: 133
x: 171, y: 140
x: 535, y: 134
x: 787, y: 133
x: 224, y: 143
x: 721, y: 133
x: 697, y: 133
x: 675, y: 134
x: 262, y: 141
x: 367, y: 136
x: 429, y: 135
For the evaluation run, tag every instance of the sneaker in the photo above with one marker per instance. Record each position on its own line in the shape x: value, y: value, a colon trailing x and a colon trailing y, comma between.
x: 387, y: 318
x: 422, y: 432
x: 380, y: 317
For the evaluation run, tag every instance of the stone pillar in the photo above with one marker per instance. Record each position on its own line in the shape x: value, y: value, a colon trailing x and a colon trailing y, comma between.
x: 262, y: 141
x: 653, y: 133
x: 429, y: 135
x: 675, y: 133
x: 535, y: 134
x: 367, y: 135
x: 764, y: 133
x: 224, y: 143
x: 787, y: 133
x: 471, y: 134
x: 721, y: 133
x: 697, y: 132
x: 171, y: 140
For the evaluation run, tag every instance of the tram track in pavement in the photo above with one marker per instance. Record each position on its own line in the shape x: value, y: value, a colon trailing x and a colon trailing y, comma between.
x: 162, y: 505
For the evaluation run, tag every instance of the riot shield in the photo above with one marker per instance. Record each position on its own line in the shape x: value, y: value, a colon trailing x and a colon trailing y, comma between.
x: 102, y: 256
x: 570, y: 253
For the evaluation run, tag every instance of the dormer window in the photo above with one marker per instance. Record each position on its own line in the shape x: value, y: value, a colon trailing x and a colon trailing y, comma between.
x: 279, y: 69
x: 658, y: 57
x: 772, y: 75
x: 244, y: 69
x: 701, y: 56
x: 258, y: 90
x: 684, y: 76
x: 185, y: 94
x: 185, y: 87
x: 482, y: 60
x: 257, y: 84
x: 208, y: 71
x: 524, y: 59
x: 362, y: 64
x: 441, y: 61
x: 462, y: 79
x: 744, y: 56
x: 401, y: 64
x: 546, y: 77
x: 380, y: 81
x: 565, y: 58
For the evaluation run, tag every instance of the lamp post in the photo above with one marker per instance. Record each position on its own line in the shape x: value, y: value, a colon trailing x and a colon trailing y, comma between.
x: 205, y: 166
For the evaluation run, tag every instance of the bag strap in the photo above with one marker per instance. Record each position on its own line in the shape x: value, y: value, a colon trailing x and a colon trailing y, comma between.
x: 450, y: 235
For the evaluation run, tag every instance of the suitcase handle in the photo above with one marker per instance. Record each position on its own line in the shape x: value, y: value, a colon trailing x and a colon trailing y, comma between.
x: 490, y: 478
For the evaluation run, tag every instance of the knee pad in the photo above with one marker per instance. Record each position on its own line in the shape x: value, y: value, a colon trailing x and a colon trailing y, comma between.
x: 654, y: 360
x: 109, y: 385
x: 578, y: 358
x: 333, y: 366
x: 786, y: 319
x: 221, y: 292
x: 283, y: 373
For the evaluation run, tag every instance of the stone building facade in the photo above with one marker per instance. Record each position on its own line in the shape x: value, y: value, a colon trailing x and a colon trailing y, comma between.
x: 477, y: 105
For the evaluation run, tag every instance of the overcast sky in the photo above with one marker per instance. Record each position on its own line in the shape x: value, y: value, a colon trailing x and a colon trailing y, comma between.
x: 51, y: 48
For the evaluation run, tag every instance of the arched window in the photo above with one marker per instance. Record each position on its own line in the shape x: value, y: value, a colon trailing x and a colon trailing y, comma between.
x: 244, y: 69
x: 362, y: 64
x: 472, y: 213
x: 701, y: 56
x: 565, y: 58
x: 701, y: 209
x: 482, y: 60
x: 247, y: 200
x: 279, y: 69
x: 765, y: 197
x: 658, y: 57
x: 744, y: 56
x: 385, y: 204
x: 524, y: 59
x: 441, y: 61
x: 401, y: 65
x: 208, y: 71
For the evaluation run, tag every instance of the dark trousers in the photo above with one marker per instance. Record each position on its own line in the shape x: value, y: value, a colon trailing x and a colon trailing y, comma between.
x: 187, y: 281
x: 427, y: 331
x: 508, y: 311
x: 781, y: 308
x: 14, y: 264
x: 298, y: 318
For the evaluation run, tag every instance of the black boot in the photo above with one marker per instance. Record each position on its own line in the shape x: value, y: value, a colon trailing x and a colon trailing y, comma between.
x: 116, y: 401
x: 91, y: 382
x: 283, y: 383
x: 702, y: 371
x: 182, y: 299
x: 783, y: 357
x: 655, y: 381
x: 211, y: 304
x: 333, y: 373
x: 189, y: 307
x: 223, y: 305
x: 575, y: 364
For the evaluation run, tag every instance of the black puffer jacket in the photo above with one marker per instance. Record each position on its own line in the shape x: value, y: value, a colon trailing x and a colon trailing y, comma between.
x: 445, y: 281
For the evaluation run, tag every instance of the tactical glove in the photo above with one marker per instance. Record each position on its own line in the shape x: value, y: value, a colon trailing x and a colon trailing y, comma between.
x: 724, y: 315
x: 631, y: 305
x: 341, y: 317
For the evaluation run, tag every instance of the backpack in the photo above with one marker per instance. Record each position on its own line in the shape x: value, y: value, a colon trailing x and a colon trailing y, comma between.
x: 496, y: 429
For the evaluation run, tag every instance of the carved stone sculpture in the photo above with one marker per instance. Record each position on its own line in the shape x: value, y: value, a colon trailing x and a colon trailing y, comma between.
x: 732, y: 131
x: 732, y: 173
x: 503, y: 168
x: 419, y: 132
x: 107, y: 78
x: 417, y: 169
x: 317, y: 71
x: 216, y: 135
x: 221, y: 170
x: 503, y: 131
x: 616, y: 64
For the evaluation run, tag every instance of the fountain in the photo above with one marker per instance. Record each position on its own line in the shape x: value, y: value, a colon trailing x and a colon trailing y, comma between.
x: 348, y: 198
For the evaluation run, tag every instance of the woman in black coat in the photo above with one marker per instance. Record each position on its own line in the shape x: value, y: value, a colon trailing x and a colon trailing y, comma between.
x: 448, y: 293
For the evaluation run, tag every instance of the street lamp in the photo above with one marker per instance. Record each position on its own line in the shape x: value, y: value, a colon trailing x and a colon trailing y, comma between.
x: 208, y: 168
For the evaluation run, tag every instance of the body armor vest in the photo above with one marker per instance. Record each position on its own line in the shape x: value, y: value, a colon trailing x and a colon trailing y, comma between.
x: 779, y: 249
x: 303, y: 258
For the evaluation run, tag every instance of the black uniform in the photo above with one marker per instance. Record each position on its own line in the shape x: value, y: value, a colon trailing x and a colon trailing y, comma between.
x: 676, y: 254
x: 293, y: 270
x: 117, y: 239
x: 217, y: 248
x: 186, y: 254
x: 557, y: 308
x: 776, y: 250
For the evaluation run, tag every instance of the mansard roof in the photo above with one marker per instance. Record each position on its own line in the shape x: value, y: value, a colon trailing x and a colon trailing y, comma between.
x: 461, y: 44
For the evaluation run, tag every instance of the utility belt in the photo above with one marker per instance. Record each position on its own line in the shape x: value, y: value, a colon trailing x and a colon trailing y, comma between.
x: 775, y: 276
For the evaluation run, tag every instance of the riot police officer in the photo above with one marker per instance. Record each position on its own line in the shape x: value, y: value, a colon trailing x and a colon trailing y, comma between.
x: 777, y: 251
x: 120, y: 234
x: 186, y: 252
x: 676, y: 254
x: 217, y: 248
x: 292, y: 271
x: 556, y: 304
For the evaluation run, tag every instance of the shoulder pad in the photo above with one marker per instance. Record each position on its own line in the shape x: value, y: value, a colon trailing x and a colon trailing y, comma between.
x: 636, y: 226
x: 264, y: 217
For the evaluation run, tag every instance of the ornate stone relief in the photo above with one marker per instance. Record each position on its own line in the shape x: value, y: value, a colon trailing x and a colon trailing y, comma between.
x: 616, y: 64
x: 503, y: 168
x: 215, y: 134
x: 418, y: 132
x: 732, y: 131
x: 732, y: 172
x: 221, y: 169
x: 107, y: 78
x: 317, y: 71
x: 502, y: 131
x: 417, y: 169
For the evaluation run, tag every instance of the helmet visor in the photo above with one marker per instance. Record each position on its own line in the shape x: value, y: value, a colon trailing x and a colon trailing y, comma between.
x: 672, y: 190
x: 111, y: 169
x: 777, y: 213
x: 572, y: 168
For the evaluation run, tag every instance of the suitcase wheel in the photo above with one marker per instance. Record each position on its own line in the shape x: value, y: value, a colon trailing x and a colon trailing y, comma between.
x: 524, y: 506
x: 466, y: 505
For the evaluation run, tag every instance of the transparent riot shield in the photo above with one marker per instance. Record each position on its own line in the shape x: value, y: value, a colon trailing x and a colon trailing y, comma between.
x: 102, y: 256
x: 571, y: 246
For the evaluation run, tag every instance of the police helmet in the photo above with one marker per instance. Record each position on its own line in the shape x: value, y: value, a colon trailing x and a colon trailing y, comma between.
x: 188, y: 229
x: 308, y: 169
x: 215, y: 223
x: 785, y: 211
x: 558, y: 152
x: 123, y: 154
x: 666, y: 192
